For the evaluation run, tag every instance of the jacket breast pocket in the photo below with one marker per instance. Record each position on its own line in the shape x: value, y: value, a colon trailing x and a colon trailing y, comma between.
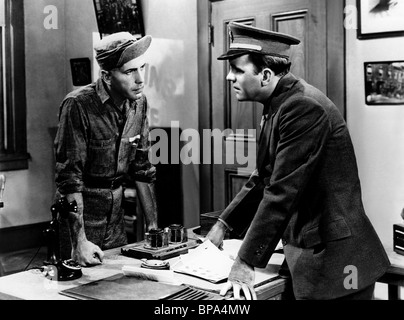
x: 334, y: 230
x: 101, y: 156
x: 127, y: 150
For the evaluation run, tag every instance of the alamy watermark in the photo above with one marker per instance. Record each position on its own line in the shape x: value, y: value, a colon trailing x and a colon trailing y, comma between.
x: 218, y: 147
x: 351, y: 17
x: 351, y: 280
x: 51, y: 18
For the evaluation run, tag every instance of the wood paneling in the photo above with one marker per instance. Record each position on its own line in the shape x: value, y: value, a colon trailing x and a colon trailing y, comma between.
x: 294, y: 23
x: 234, y: 182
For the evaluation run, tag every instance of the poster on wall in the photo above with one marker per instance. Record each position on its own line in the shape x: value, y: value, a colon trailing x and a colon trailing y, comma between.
x: 119, y: 15
x: 380, y: 18
x: 81, y: 71
x: 384, y: 82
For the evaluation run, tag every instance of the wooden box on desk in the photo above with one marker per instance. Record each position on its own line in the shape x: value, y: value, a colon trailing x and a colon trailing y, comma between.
x: 398, y: 238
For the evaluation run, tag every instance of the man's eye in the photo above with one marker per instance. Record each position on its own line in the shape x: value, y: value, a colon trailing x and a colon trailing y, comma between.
x: 235, y: 70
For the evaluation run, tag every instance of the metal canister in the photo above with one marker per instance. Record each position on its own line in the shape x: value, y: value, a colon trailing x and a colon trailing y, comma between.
x: 156, y: 238
x: 176, y: 233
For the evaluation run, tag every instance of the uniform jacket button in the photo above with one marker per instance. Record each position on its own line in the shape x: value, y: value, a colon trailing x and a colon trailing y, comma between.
x: 258, y: 252
x: 284, y: 242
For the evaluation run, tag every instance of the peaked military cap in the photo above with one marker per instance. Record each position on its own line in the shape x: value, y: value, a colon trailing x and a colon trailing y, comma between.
x: 246, y: 39
x: 114, y: 50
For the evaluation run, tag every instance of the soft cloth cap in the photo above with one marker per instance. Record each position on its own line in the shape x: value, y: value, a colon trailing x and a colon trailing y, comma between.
x: 114, y: 50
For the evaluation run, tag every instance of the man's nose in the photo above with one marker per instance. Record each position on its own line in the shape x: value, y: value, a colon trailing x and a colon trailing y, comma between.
x: 139, y: 77
x: 230, y: 76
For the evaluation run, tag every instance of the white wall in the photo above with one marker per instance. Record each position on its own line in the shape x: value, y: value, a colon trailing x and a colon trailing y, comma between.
x: 80, y: 25
x: 377, y: 133
x: 378, y: 137
x: 28, y: 193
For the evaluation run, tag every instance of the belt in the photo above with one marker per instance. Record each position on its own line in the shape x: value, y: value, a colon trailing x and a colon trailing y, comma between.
x: 104, y: 183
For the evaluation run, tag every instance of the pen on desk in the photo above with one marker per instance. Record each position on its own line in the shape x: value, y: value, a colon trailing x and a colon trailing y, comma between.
x: 174, y: 264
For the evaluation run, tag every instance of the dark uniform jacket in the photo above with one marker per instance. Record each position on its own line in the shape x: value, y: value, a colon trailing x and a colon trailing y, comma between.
x: 306, y: 191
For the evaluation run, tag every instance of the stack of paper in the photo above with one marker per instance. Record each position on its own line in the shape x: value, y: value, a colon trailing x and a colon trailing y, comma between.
x: 206, y: 262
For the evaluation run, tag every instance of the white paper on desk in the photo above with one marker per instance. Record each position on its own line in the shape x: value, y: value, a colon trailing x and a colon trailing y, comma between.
x: 206, y: 262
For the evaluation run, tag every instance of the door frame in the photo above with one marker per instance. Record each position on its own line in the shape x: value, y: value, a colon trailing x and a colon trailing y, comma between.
x: 336, y: 80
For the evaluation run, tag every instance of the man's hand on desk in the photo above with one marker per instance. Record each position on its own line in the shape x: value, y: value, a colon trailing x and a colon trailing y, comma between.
x: 242, y: 276
x: 87, y: 254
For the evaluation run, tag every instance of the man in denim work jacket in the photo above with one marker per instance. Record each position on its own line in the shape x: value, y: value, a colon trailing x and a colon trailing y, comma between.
x: 305, y: 189
x: 102, y: 141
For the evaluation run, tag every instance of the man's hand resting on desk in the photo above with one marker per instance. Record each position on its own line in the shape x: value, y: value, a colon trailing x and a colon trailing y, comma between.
x: 242, y: 276
x: 87, y: 254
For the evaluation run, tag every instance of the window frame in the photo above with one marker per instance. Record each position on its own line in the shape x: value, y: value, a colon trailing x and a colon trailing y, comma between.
x: 13, y: 126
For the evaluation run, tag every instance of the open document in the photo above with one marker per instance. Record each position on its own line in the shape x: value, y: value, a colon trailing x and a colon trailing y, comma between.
x: 205, y: 267
x: 206, y: 262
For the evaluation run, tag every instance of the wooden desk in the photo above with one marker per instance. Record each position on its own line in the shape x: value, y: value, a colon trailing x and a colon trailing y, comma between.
x: 33, y: 285
x: 394, y: 277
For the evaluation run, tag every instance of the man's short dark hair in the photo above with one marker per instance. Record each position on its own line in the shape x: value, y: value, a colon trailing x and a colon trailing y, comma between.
x: 279, y: 65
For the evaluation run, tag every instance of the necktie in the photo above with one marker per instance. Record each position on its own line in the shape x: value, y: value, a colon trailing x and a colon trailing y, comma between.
x: 264, y: 120
x: 263, y: 141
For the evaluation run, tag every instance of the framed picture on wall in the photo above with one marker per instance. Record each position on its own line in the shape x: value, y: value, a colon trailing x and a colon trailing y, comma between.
x: 380, y: 18
x: 81, y: 71
x: 119, y: 15
x: 384, y: 82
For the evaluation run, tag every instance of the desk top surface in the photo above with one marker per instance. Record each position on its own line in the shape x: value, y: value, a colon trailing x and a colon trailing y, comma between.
x: 33, y: 285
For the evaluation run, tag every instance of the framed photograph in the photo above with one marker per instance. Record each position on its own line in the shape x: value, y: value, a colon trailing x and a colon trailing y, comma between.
x: 380, y: 18
x: 119, y: 15
x: 81, y: 71
x: 384, y: 82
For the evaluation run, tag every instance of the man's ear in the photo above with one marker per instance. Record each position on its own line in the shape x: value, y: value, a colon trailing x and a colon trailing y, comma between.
x: 267, y: 75
x: 106, y: 76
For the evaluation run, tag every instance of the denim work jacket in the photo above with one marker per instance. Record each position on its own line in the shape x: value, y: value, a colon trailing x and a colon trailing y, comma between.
x: 95, y: 139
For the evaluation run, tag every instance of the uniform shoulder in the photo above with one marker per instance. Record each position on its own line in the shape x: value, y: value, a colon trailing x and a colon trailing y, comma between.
x: 309, y: 95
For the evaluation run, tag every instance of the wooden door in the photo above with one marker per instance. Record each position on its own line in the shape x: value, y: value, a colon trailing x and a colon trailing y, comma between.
x: 304, y: 19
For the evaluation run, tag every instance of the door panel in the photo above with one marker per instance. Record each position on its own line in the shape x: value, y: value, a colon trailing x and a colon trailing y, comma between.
x: 294, y: 23
x: 305, y: 19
